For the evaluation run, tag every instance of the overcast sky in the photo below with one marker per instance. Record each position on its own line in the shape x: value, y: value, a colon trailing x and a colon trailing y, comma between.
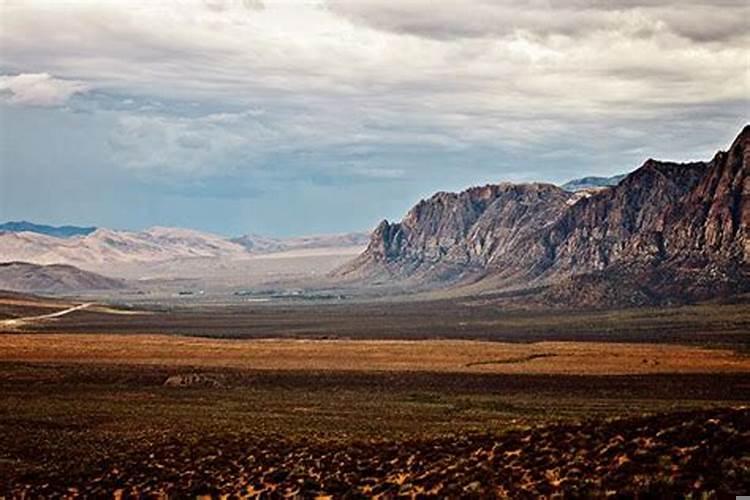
x: 296, y: 117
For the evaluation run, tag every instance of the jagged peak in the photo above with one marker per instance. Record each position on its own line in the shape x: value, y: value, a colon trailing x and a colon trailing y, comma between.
x: 382, y: 226
x: 743, y: 138
x: 488, y: 190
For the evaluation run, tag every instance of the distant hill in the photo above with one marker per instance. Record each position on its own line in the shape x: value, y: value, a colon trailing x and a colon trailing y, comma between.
x: 667, y: 232
x: 592, y: 183
x: 262, y: 244
x: 57, y: 278
x: 105, y: 246
x: 56, y: 231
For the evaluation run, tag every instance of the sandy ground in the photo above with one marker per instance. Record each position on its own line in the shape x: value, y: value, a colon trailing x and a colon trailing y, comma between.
x: 590, y: 358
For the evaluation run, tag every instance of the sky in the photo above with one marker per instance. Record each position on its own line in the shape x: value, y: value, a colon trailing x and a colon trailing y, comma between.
x: 291, y: 117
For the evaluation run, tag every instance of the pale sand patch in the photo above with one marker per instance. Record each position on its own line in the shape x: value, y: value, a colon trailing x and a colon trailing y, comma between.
x: 591, y: 358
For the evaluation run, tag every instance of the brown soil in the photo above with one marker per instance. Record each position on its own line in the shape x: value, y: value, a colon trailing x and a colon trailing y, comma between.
x: 666, y: 456
x: 440, y: 356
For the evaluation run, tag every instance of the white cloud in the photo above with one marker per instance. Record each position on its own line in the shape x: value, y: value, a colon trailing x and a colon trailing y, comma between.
x: 39, y: 89
x: 369, y: 76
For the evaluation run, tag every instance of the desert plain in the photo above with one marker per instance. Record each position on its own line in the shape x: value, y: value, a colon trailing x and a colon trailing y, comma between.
x: 369, y: 400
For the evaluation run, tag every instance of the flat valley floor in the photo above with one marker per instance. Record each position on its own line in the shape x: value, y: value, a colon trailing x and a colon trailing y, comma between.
x: 442, y: 399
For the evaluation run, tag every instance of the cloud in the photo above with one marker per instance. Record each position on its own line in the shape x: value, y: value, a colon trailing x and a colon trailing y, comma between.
x: 226, y: 5
x: 39, y: 89
x: 362, y: 89
x: 453, y: 19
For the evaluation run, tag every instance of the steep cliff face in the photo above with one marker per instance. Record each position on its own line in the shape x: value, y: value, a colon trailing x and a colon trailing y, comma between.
x: 689, y: 218
x: 626, y: 222
x: 710, y: 224
x: 665, y: 230
x: 458, y: 235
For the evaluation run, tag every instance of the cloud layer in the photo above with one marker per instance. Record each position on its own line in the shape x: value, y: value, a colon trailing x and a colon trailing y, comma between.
x: 392, y: 97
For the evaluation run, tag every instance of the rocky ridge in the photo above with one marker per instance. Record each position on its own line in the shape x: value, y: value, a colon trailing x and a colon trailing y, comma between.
x: 666, y: 232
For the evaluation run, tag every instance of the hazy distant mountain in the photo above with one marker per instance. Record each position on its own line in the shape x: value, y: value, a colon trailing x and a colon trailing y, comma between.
x: 102, y: 247
x: 56, y: 231
x: 108, y: 246
x: 592, y: 183
x: 262, y: 244
x: 25, y: 277
x: 666, y: 232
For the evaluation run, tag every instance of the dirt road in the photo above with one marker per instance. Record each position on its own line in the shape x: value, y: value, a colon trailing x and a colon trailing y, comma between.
x: 56, y: 314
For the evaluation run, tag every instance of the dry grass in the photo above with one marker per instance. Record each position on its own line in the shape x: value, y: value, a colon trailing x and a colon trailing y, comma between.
x: 84, y: 405
x: 591, y: 358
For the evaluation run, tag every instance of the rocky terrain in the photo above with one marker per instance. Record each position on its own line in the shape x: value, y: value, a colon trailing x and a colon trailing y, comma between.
x: 665, y: 456
x: 667, y: 232
x: 452, y: 236
x: 56, y: 278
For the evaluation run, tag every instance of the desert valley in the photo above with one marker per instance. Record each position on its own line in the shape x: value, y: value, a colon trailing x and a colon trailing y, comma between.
x: 510, y: 340
x: 374, y: 249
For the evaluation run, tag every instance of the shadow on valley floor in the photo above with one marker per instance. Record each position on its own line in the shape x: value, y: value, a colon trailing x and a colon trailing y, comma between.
x: 703, y: 324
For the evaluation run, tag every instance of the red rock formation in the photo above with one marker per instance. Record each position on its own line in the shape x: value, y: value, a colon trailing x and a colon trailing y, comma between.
x: 680, y: 231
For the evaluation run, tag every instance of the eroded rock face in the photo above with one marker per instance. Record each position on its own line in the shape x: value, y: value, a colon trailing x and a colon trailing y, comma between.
x: 455, y: 235
x: 686, y: 222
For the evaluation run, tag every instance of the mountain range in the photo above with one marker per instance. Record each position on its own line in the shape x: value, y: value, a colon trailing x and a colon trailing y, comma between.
x: 667, y: 232
x: 56, y: 231
x: 157, y: 244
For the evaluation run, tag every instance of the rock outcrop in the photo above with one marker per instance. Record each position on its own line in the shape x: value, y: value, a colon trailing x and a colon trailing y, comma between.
x: 675, y: 231
x: 451, y: 237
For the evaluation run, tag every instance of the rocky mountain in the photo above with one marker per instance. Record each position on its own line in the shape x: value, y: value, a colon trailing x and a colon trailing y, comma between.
x: 592, y: 182
x: 57, y: 278
x: 452, y: 236
x: 56, y: 231
x: 666, y: 232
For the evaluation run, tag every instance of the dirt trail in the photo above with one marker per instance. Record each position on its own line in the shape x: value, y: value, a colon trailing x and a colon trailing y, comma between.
x: 56, y: 314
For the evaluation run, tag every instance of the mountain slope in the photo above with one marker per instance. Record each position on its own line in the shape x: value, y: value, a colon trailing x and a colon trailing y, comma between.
x: 666, y: 232
x: 452, y: 236
x: 679, y: 228
x: 56, y: 231
x: 105, y: 246
x: 58, y: 278
x: 592, y: 182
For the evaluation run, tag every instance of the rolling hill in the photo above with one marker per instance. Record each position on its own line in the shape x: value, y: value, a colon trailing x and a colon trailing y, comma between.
x: 57, y: 278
